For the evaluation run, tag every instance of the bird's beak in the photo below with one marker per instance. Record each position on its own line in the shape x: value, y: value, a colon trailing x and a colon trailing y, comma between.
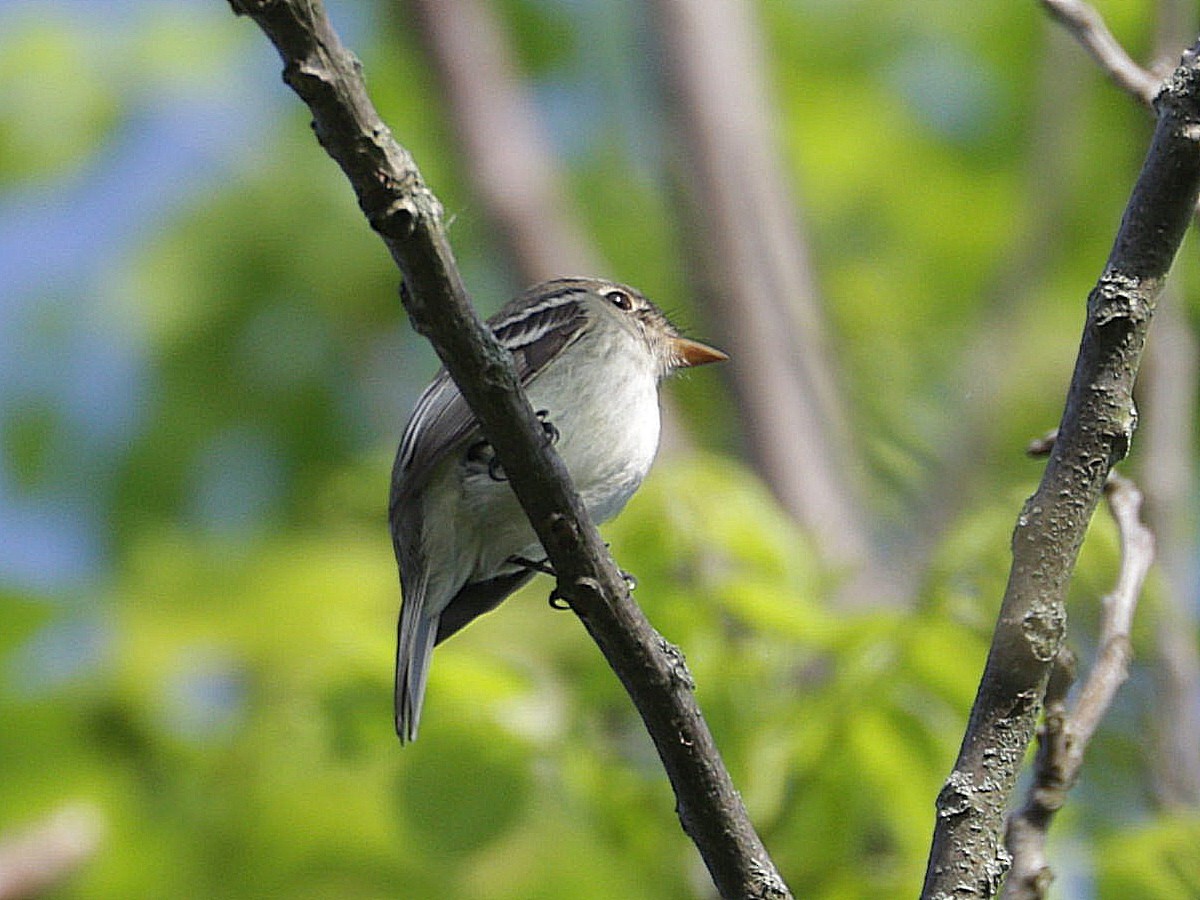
x: 689, y: 353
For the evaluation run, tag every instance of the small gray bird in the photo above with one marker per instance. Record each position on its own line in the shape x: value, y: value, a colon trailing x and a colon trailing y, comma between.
x: 590, y: 354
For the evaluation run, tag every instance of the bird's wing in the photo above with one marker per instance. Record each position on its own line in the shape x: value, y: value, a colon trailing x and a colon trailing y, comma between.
x: 440, y: 423
x: 442, y: 420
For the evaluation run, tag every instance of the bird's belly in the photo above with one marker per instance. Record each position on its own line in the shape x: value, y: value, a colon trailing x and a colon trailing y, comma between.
x: 608, y: 437
x: 608, y: 434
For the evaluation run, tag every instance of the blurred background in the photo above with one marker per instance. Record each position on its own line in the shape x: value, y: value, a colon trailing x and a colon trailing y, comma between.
x: 889, y: 214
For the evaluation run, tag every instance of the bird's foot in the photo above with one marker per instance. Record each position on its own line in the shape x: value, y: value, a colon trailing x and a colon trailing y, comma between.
x: 552, y: 434
x: 533, y: 565
x: 481, y: 453
x: 631, y: 581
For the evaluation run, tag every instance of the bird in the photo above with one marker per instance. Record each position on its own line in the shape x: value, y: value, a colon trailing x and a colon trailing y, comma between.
x: 590, y: 355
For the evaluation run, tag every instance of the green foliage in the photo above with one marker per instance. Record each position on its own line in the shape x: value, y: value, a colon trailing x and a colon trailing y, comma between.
x: 220, y: 687
x: 1159, y: 860
x: 47, y: 128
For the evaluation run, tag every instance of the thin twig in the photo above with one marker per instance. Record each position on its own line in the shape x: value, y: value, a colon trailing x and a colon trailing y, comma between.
x: 1064, y: 736
x: 408, y: 218
x: 966, y: 857
x: 1088, y: 27
x: 1168, y: 388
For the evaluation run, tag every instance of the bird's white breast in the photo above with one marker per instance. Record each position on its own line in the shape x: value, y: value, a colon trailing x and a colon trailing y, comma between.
x: 609, y: 426
x: 608, y: 429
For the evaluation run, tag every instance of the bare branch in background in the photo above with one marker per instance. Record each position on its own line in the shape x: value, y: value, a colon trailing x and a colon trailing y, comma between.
x: 966, y: 858
x: 752, y: 273
x: 408, y: 218
x: 1168, y: 394
x: 37, y: 859
x: 508, y: 159
x: 1167, y: 398
x: 1088, y: 27
x: 1064, y: 736
x: 978, y: 379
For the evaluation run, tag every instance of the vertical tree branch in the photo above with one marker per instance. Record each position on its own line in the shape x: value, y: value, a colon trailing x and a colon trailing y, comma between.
x: 408, y: 217
x: 752, y: 272
x: 509, y: 161
x: 966, y: 858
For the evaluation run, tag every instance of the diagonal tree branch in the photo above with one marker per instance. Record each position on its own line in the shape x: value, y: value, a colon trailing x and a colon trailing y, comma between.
x: 408, y: 217
x: 966, y: 857
x: 1064, y: 736
x: 752, y: 272
x: 511, y: 165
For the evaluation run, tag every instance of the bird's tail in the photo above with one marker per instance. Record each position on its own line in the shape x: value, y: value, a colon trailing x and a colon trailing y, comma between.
x: 414, y: 650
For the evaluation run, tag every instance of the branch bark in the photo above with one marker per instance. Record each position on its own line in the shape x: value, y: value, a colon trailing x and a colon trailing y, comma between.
x: 407, y: 216
x: 966, y: 858
x: 1064, y: 736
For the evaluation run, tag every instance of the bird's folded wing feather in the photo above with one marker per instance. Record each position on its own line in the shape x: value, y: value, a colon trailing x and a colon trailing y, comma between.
x: 442, y: 420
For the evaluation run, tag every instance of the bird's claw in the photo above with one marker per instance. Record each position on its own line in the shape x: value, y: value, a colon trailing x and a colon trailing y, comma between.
x: 535, y: 565
x: 482, y: 452
x: 548, y: 427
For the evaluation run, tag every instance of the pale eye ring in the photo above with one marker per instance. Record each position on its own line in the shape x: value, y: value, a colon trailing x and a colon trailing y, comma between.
x: 620, y: 300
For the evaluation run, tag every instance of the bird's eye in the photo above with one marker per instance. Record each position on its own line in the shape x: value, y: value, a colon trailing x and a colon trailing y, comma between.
x: 620, y: 300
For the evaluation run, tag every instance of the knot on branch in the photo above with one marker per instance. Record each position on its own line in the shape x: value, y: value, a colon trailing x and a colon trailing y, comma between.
x: 306, y: 77
x: 1120, y: 439
x: 412, y: 202
x: 587, y: 588
x: 678, y: 665
x: 957, y: 795
x: 767, y: 883
x: 1118, y: 297
x: 1181, y: 87
x: 1043, y: 627
x: 397, y: 220
x: 563, y: 528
